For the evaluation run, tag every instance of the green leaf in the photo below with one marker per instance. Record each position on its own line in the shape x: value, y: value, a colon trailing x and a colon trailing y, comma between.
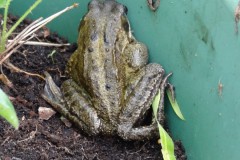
x: 3, y: 3
x: 167, y: 144
x: 7, y: 110
x: 166, y: 140
x: 175, y: 105
x: 155, y: 104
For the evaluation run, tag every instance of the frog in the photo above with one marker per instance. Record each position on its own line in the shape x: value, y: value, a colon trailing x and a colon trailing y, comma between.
x: 111, y: 85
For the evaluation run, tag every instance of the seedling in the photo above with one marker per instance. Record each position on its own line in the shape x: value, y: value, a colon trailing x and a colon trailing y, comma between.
x: 51, y: 55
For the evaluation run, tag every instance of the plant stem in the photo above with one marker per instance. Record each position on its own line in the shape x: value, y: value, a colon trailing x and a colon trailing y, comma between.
x: 22, y: 17
x: 4, y: 30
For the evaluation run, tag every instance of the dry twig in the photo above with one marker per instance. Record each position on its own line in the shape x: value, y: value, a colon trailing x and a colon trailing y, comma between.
x: 35, y: 43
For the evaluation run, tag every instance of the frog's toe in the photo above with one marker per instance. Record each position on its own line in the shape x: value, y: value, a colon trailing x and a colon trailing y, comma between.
x: 51, y: 93
x: 139, y: 133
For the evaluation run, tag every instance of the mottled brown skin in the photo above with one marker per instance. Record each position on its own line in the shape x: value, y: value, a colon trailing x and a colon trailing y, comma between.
x: 111, y: 85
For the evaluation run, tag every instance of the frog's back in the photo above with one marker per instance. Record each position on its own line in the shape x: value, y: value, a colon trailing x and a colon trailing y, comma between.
x: 97, y: 64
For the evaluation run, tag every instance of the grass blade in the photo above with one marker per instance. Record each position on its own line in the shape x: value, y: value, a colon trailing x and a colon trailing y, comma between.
x: 166, y: 140
x: 167, y: 144
x: 175, y: 105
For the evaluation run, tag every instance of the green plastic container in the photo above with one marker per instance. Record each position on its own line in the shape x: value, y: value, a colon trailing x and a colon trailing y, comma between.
x: 196, y: 40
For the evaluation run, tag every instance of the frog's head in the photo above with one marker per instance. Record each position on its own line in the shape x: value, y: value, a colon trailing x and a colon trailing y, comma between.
x: 110, y: 6
x: 102, y: 12
x: 104, y: 25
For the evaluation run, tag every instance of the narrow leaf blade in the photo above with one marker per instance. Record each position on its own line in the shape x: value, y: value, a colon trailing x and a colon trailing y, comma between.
x: 167, y: 144
x: 155, y: 104
x: 7, y: 110
x: 175, y: 105
x: 166, y: 140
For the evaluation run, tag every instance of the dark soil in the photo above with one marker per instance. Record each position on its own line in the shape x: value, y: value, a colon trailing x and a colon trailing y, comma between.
x: 51, y: 139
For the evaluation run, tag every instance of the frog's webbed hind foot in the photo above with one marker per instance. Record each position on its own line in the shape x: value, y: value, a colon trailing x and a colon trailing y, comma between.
x: 73, y: 104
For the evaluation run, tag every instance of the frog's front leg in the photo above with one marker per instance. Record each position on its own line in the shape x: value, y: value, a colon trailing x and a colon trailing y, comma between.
x: 140, y: 100
x: 73, y: 103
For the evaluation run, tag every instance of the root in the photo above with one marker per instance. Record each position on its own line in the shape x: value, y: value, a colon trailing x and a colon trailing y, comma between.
x: 13, y: 68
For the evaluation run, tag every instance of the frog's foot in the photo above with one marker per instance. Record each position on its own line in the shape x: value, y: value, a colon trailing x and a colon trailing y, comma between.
x: 164, y: 84
x: 73, y: 103
x: 139, y: 102
x: 52, y: 93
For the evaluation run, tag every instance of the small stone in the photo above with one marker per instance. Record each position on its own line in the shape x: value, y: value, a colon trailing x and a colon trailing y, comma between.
x: 23, y: 118
x: 45, y: 113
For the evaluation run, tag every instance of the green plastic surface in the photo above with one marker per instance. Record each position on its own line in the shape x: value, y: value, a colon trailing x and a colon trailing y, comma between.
x: 196, y: 40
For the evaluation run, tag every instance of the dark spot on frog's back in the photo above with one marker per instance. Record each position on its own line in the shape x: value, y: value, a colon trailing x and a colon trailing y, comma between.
x: 90, y: 49
x: 107, y: 49
x: 94, y: 36
x: 105, y: 38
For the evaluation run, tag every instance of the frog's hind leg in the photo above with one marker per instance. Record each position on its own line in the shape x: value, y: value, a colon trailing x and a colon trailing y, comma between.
x: 140, y: 100
x: 73, y: 103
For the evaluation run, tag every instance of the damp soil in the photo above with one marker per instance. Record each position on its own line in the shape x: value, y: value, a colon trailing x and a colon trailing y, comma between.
x: 52, y: 139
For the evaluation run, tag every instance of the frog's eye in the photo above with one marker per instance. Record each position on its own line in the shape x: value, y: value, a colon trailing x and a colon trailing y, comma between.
x: 125, y: 9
